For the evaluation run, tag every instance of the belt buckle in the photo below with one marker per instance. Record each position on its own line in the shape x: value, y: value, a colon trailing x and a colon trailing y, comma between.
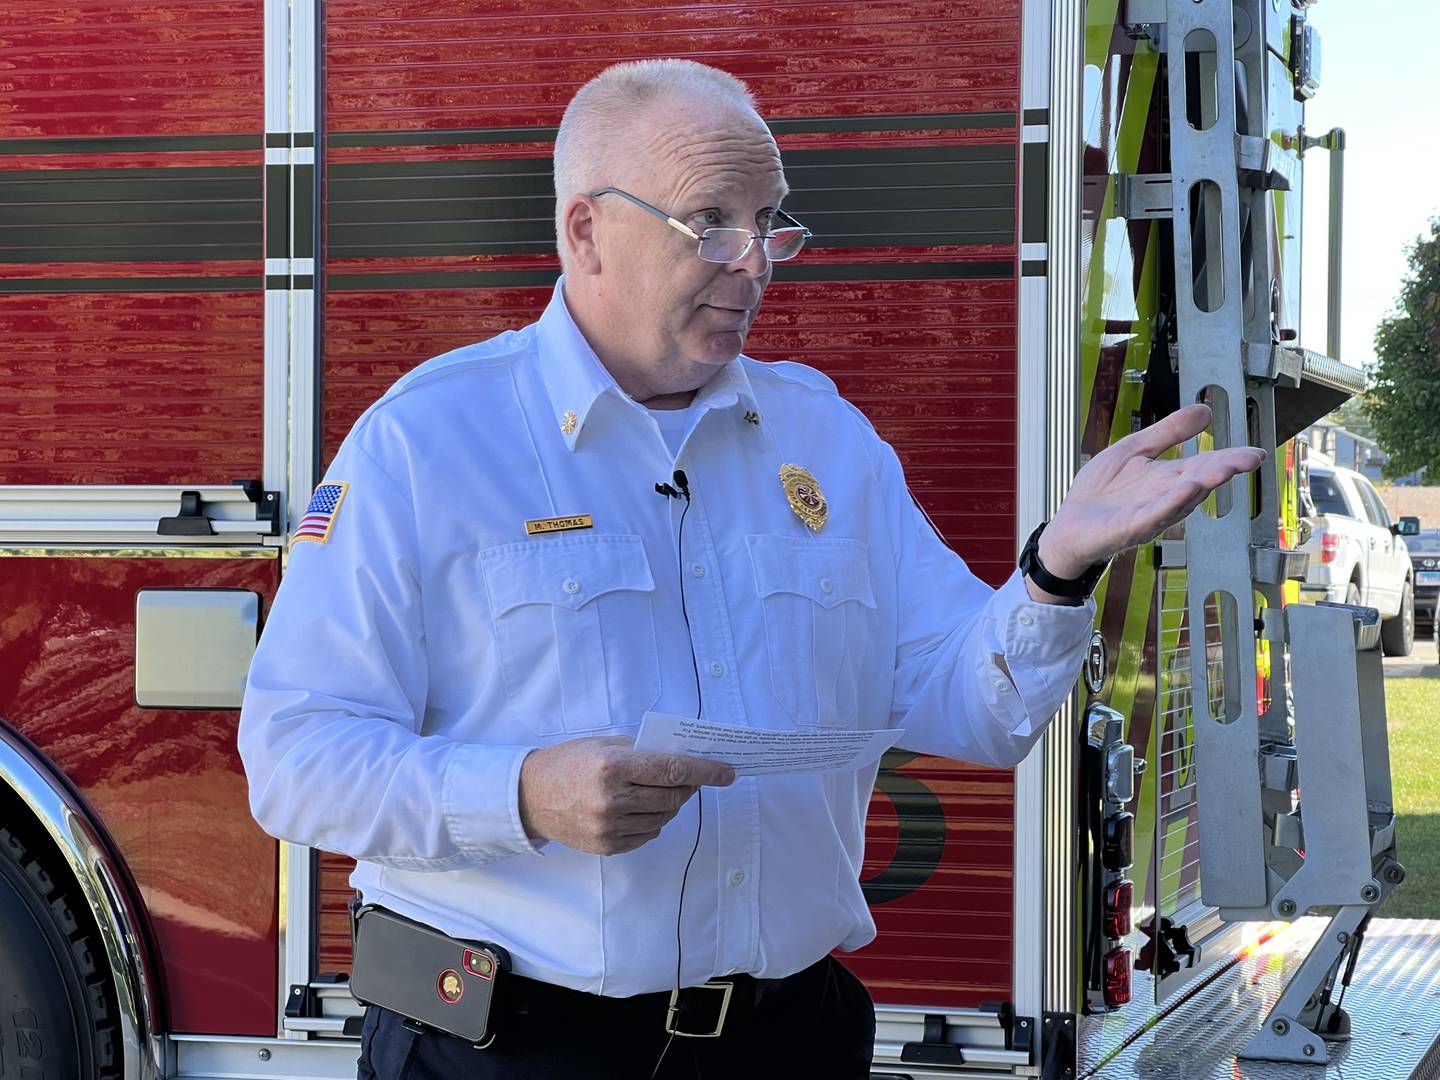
x: 725, y: 988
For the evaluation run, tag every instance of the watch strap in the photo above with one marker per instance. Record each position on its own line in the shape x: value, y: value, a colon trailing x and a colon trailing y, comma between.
x: 1070, y: 588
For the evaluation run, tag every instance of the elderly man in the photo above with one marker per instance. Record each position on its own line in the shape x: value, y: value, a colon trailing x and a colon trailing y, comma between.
x: 529, y: 542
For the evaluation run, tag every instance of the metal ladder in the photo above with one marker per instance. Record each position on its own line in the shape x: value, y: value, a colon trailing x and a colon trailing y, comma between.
x: 1266, y: 851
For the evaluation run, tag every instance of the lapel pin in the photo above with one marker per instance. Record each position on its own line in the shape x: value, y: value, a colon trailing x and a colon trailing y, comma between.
x: 569, y: 421
x: 806, y: 498
x: 752, y: 417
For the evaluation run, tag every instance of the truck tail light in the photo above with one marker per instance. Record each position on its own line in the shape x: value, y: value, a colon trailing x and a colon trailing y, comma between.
x: 1329, y: 546
x: 1117, y: 978
x: 1117, y: 850
x: 1118, y: 900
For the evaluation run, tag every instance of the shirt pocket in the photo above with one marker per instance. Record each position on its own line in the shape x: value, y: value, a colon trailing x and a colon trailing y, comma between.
x: 575, y: 631
x: 819, y: 624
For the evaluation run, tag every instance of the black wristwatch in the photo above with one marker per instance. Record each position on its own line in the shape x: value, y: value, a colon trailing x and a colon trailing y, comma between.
x: 1071, y: 588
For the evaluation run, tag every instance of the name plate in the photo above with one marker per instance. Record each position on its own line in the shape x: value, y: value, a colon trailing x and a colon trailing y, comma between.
x: 559, y: 524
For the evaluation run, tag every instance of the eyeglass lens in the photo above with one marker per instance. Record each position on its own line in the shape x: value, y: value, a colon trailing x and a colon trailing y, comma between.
x: 727, y: 245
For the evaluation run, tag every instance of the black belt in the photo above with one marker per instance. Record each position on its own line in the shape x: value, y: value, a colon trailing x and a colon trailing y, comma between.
x: 695, y: 1011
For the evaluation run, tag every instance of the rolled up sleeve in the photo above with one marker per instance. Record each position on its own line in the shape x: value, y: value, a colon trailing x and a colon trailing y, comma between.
x: 331, y: 721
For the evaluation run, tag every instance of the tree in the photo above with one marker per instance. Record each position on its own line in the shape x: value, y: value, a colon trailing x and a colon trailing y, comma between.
x: 1404, y: 400
x: 1354, y: 417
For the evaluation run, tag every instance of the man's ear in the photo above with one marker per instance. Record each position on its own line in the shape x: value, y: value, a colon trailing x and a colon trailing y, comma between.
x: 581, y: 227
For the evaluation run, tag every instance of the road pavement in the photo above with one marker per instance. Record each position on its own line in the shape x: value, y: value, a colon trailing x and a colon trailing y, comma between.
x: 1422, y: 663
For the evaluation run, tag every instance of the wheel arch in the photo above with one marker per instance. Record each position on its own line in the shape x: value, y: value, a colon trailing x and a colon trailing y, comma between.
x: 37, y: 787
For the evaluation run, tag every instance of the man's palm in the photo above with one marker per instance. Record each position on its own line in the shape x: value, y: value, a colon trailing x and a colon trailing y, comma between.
x: 1126, y: 496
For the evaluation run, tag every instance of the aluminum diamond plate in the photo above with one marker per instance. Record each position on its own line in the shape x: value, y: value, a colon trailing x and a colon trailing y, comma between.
x: 1394, y: 1003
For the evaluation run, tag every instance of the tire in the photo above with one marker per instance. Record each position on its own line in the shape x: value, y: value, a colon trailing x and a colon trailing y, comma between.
x: 1397, y: 635
x: 59, y: 1015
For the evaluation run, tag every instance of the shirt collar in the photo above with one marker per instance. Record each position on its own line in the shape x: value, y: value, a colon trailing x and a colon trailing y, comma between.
x: 575, y: 378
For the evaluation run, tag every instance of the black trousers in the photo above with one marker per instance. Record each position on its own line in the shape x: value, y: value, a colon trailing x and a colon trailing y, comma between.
x: 817, y: 1022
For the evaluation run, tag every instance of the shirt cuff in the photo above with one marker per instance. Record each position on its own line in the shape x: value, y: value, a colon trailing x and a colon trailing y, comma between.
x: 1043, y: 646
x: 481, y: 801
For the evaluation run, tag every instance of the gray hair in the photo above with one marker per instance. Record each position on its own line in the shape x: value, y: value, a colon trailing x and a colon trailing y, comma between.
x: 587, y: 146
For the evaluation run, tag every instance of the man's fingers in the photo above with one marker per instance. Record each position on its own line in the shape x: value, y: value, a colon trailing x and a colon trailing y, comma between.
x: 650, y: 799
x: 674, y: 770
x: 1215, y: 467
x: 641, y: 824
x: 1160, y: 436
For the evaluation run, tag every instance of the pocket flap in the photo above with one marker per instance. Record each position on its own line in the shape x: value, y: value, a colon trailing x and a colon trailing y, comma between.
x: 826, y: 571
x: 568, y: 573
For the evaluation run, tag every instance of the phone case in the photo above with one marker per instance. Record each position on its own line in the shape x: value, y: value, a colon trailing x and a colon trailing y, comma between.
x: 415, y: 970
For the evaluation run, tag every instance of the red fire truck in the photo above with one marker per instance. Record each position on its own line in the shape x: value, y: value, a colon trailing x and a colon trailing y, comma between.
x: 226, y: 226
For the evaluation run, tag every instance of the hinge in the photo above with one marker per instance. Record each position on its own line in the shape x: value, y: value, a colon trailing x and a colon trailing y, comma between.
x: 192, y: 519
x: 933, y: 1049
x: 1057, y: 1046
x: 1139, y: 196
x: 300, y: 1002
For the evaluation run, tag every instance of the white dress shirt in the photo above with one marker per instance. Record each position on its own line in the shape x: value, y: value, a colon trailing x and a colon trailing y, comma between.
x: 411, y: 661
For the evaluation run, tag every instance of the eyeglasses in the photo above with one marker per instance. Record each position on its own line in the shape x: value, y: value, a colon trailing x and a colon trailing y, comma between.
x: 730, y: 245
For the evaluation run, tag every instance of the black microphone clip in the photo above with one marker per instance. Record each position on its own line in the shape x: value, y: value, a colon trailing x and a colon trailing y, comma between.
x: 680, y: 489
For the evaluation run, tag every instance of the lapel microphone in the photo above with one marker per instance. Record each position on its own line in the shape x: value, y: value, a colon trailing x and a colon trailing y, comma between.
x: 680, y: 490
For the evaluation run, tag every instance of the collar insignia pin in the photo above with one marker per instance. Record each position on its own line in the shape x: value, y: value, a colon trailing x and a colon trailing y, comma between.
x: 752, y: 417
x: 569, y: 422
x: 806, y: 498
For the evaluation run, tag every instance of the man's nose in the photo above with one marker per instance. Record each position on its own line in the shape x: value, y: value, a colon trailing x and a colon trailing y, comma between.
x: 754, y: 262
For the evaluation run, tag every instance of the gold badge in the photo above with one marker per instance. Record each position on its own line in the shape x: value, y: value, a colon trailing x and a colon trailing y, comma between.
x: 560, y: 524
x: 569, y: 421
x: 806, y: 498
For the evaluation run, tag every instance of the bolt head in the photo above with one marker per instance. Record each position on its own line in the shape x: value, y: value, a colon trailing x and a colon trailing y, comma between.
x: 1308, y: 1050
x: 1281, y: 1027
x: 1287, y: 907
x: 264, y: 1054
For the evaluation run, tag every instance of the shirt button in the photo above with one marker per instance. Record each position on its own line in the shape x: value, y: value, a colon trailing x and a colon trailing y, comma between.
x: 1026, y: 619
x: 826, y: 585
x: 572, y: 586
x: 697, y: 569
x: 737, y: 877
x: 716, y: 668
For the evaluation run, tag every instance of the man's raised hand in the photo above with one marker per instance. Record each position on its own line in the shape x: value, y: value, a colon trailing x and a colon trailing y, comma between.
x: 1125, y: 496
x: 603, y: 796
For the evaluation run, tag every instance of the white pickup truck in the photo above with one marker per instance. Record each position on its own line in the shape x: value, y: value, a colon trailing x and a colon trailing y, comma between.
x: 1357, y: 555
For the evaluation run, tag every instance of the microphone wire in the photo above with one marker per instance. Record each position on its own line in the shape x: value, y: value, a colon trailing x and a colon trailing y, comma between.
x: 682, y: 483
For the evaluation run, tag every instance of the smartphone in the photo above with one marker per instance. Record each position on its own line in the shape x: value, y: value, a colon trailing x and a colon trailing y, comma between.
x: 415, y: 970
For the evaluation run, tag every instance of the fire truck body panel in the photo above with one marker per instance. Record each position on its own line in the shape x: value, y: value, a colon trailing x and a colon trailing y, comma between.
x: 907, y: 298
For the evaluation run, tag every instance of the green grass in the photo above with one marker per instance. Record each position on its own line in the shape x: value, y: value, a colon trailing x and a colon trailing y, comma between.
x: 1413, y: 706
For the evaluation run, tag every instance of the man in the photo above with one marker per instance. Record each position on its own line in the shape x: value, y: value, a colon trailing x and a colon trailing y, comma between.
x: 450, y: 695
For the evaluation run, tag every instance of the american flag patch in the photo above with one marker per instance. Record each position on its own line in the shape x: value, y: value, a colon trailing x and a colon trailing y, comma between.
x: 319, y: 516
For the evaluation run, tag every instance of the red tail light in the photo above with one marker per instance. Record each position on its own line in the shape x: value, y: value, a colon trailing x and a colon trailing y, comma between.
x: 1117, y: 978
x: 1329, y: 546
x: 1118, y: 900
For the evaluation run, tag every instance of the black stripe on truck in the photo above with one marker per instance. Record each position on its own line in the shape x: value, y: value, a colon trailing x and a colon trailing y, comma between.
x: 130, y: 215
x: 131, y: 144
x: 915, y: 197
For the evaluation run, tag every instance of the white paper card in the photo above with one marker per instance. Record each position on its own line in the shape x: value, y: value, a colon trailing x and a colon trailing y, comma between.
x: 760, y: 751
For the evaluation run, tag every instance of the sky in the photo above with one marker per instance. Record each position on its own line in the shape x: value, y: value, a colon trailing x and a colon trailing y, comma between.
x: 1378, y: 81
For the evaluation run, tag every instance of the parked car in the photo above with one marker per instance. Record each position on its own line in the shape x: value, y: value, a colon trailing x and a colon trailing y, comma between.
x: 1425, y: 563
x: 1358, y: 556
